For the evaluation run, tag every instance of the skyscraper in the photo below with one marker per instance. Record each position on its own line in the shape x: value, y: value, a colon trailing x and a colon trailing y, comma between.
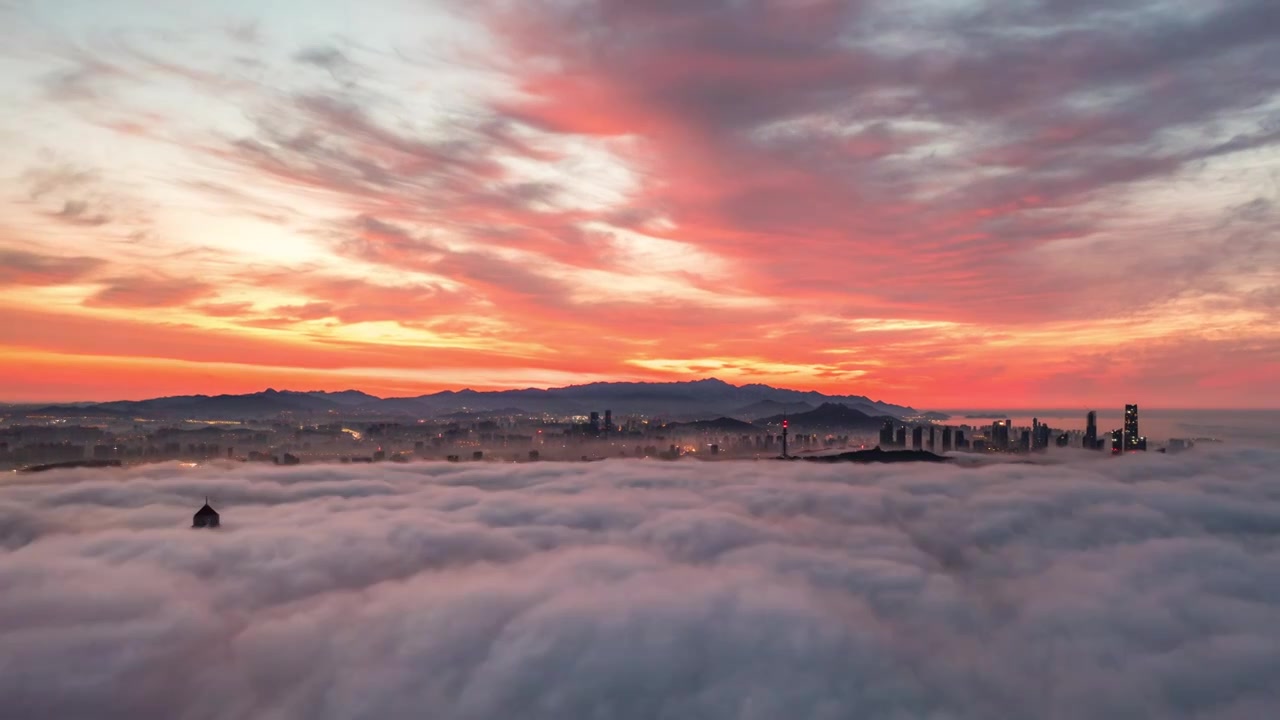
x: 933, y: 438
x: 886, y: 435
x: 917, y: 437
x: 1117, y: 442
x: 900, y: 438
x: 946, y: 439
x: 595, y: 423
x: 1000, y: 435
x: 1039, y: 435
x: 1091, y: 431
x: 1133, y: 440
x: 608, y: 421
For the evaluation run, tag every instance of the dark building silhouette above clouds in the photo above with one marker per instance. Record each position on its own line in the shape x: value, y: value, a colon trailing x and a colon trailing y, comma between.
x: 205, y: 517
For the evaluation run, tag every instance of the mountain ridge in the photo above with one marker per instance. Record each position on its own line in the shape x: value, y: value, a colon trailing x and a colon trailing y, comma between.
x: 673, y: 401
x: 827, y: 415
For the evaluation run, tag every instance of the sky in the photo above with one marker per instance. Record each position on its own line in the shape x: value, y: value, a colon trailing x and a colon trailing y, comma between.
x: 942, y: 204
x: 1147, y: 586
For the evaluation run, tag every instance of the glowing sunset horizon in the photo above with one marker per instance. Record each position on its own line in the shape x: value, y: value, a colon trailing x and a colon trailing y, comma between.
x: 964, y: 205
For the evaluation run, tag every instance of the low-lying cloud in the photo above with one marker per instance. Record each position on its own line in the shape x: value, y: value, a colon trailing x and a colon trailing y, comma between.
x: 1096, y: 588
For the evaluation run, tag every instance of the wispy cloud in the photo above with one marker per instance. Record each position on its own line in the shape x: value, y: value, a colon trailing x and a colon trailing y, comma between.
x: 18, y: 267
x: 947, y: 189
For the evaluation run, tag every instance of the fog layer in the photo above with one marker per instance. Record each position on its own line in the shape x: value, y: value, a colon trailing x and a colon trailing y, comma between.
x: 1096, y: 588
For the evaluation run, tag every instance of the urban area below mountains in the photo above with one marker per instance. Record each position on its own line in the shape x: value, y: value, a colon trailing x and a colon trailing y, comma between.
x: 706, y: 419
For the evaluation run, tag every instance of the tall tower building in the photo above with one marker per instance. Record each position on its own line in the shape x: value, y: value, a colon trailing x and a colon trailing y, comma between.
x: 595, y: 423
x: 608, y: 422
x: 1131, y: 434
x: 1041, y: 439
x: 784, y: 437
x: 917, y: 437
x: 886, y: 435
x: 933, y: 438
x: 900, y: 438
x: 946, y: 439
x: 1000, y: 434
x: 1091, y: 430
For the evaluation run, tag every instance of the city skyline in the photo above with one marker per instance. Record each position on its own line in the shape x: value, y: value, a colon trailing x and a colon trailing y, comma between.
x: 963, y: 206
x: 306, y: 428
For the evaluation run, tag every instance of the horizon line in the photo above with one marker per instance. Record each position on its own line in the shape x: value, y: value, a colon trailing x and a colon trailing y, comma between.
x: 437, y: 392
x: 1006, y: 410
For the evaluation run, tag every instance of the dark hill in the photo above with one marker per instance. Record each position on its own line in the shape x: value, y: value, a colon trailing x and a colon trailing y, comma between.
x: 72, y: 464
x: 723, y: 424
x: 265, y: 403
x: 876, y: 455
x: 350, y: 398
x: 828, y: 415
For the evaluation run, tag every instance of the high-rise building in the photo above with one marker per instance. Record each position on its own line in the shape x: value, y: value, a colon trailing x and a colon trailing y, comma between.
x: 933, y: 438
x: 1000, y: 435
x: 1131, y: 427
x: 917, y: 437
x: 1024, y: 442
x: 886, y: 435
x: 595, y: 423
x: 205, y: 517
x: 961, y: 442
x: 1039, y: 435
x: 608, y: 421
x: 900, y: 438
x: 1091, y: 431
x: 946, y: 439
x: 1117, y: 442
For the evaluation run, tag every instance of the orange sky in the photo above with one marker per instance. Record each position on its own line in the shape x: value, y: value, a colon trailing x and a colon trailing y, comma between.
x: 817, y: 195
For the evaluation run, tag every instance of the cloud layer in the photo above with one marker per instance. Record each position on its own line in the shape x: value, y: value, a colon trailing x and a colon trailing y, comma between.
x: 1139, y: 587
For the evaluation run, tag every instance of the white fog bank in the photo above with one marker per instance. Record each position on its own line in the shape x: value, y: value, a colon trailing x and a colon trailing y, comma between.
x: 1101, y: 588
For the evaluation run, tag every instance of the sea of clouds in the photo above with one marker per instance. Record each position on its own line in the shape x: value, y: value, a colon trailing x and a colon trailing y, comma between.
x: 1146, y: 586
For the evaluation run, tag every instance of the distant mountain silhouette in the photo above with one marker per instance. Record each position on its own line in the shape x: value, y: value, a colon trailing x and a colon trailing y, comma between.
x: 828, y: 415
x: 345, y: 397
x: 267, y: 402
x: 674, y: 401
x: 693, y: 400
x: 69, y: 411
x: 767, y: 408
